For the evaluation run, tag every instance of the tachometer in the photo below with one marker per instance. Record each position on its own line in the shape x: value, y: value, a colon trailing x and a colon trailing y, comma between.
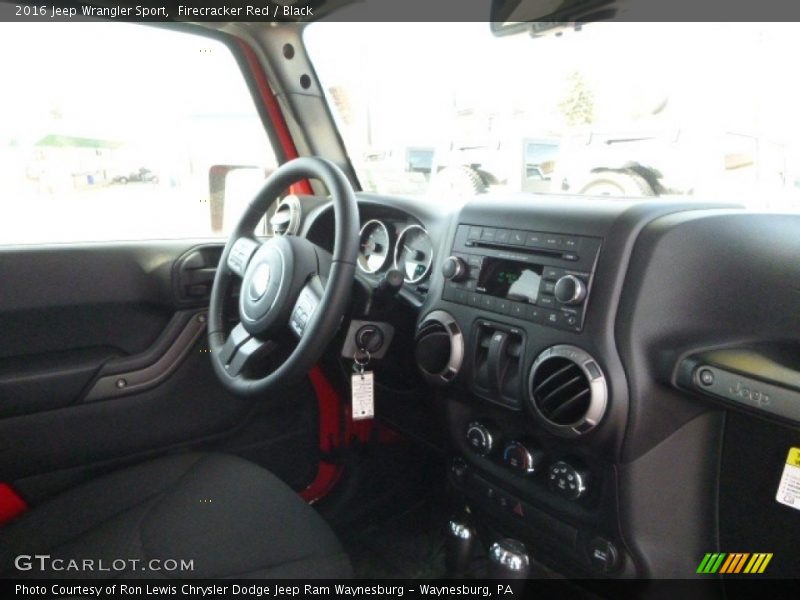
x: 374, y: 246
x: 413, y: 253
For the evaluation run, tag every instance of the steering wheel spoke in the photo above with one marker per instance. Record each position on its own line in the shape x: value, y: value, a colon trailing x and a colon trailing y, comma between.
x: 306, y: 306
x: 241, y: 253
x: 241, y: 349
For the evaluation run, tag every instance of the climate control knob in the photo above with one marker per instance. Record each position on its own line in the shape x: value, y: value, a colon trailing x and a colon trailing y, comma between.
x: 570, y: 290
x: 522, y: 458
x: 454, y: 269
x: 479, y: 439
x: 567, y: 480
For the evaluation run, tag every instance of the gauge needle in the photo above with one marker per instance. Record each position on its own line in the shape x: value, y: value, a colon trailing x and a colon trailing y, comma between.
x: 416, y: 254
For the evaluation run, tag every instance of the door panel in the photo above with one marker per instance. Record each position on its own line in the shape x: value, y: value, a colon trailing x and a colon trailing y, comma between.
x: 77, y: 320
x: 66, y: 311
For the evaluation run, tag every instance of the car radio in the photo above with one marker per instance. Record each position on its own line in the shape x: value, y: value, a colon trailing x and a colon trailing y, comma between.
x: 541, y: 277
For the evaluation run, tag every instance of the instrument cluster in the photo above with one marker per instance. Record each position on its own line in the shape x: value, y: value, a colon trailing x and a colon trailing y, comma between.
x: 395, y: 245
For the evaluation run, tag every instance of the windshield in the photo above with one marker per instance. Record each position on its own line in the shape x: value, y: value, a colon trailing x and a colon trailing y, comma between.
x: 701, y: 111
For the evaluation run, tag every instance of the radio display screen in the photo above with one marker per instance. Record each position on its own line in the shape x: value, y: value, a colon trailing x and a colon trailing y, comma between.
x: 510, y: 279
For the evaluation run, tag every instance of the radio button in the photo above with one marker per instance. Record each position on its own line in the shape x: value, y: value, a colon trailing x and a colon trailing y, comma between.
x: 546, y: 301
x: 571, y: 243
x: 503, y: 236
x: 553, y: 241
x: 535, y: 314
x: 489, y: 234
x: 534, y: 239
x: 488, y: 302
x: 518, y: 237
x: 552, y: 273
x: 518, y: 309
x: 551, y: 317
x: 475, y: 233
x: 503, y: 306
x: 474, y: 299
x: 460, y: 296
x: 449, y: 293
x: 474, y: 260
x: 548, y: 287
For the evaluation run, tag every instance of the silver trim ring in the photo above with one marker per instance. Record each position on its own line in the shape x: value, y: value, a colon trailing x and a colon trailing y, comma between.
x: 598, y: 401
x: 511, y: 554
x: 292, y: 202
x: 397, y: 248
x: 388, y: 246
x: 453, y: 366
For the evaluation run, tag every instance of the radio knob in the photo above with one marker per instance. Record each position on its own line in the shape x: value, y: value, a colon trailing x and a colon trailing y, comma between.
x: 570, y: 290
x: 454, y: 269
x: 522, y: 458
x: 479, y: 439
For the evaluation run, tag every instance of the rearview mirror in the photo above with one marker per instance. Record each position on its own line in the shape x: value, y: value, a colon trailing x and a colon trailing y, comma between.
x: 547, y: 16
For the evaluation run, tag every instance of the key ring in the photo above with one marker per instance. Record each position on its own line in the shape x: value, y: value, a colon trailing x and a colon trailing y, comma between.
x: 365, y: 361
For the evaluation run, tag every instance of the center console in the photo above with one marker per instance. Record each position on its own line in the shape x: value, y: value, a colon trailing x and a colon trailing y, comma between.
x: 525, y: 388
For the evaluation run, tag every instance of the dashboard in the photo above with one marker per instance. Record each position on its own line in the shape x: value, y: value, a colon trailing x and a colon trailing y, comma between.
x: 593, y: 362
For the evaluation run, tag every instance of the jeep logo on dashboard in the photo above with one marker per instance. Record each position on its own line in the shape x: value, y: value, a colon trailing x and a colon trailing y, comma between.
x: 745, y: 393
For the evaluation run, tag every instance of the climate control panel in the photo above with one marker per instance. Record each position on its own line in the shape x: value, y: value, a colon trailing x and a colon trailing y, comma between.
x: 569, y: 479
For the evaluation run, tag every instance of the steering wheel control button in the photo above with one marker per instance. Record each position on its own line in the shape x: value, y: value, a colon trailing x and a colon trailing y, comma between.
x: 568, y: 481
x: 304, y: 308
x: 479, y: 439
x: 240, y: 255
x: 523, y: 458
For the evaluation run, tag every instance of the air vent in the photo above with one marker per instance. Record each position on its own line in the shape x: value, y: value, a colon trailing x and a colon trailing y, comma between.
x: 439, y: 349
x: 286, y: 219
x: 567, y: 390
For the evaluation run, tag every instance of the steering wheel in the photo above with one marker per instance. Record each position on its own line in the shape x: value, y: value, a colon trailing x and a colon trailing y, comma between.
x: 288, y: 285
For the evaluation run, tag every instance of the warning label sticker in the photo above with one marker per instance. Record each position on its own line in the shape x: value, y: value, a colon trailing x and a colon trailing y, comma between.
x: 789, y: 488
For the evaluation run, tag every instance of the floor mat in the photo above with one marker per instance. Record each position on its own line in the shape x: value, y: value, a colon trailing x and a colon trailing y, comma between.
x: 410, y: 545
x: 391, y: 513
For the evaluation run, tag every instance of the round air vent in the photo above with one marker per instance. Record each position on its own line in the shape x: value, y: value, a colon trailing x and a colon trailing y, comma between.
x: 286, y: 219
x: 567, y: 390
x: 439, y: 349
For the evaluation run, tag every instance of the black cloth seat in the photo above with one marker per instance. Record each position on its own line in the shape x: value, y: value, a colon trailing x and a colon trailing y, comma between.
x: 230, y: 517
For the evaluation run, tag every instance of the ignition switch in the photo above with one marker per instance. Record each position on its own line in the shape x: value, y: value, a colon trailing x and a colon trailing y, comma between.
x: 369, y: 338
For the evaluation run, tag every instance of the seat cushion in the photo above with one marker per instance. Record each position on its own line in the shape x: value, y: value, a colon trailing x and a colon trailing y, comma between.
x: 230, y: 517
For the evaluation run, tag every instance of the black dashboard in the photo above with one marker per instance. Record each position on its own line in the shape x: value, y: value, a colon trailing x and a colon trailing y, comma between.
x: 574, y: 344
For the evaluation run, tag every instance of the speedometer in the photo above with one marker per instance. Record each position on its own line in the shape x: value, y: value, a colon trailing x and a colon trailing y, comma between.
x: 374, y: 246
x: 413, y: 253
